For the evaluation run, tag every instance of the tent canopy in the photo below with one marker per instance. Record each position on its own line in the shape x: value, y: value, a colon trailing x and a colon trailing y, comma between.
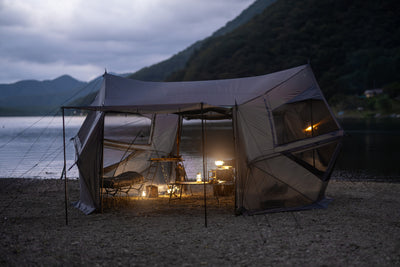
x: 128, y: 95
x: 286, y: 137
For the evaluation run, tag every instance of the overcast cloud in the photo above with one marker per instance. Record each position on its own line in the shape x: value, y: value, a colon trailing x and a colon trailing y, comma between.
x: 44, y: 39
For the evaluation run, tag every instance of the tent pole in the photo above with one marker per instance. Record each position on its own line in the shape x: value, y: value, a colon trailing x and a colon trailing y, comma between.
x: 312, y: 129
x: 236, y: 149
x: 65, y: 171
x: 204, y: 164
x: 102, y: 166
x: 178, y: 136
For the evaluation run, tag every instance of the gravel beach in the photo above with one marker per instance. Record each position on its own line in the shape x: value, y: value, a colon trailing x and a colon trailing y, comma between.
x: 360, y: 227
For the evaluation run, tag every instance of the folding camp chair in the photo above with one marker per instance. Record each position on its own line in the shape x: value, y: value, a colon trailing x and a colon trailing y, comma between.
x: 123, y: 183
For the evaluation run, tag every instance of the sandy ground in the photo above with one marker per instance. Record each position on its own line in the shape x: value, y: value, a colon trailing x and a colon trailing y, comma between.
x: 361, y: 227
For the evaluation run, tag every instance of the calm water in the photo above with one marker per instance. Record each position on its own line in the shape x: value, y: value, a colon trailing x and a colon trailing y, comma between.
x: 371, y: 148
x: 32, y: 147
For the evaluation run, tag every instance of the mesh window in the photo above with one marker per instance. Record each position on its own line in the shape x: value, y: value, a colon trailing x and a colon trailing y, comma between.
x: 127, y: 129
x: 121, y: 133
x: 318, y: 158
x: 303, y: 119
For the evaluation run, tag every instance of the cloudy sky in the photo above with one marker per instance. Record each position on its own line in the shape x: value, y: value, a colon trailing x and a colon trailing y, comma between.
x: 44, y: 39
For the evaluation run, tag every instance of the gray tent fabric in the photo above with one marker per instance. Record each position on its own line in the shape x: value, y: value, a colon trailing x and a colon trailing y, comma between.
x: 89, y: 151
x: 273, y: 126
x: 286, y: 136
x: 128, y: 95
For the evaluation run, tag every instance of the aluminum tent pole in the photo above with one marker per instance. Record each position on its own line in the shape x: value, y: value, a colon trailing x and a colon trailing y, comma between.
x: 178, y: 136
x: 65, y: 171
x: 236, y: 149
x: 204, y: 164
x: 101, y: 172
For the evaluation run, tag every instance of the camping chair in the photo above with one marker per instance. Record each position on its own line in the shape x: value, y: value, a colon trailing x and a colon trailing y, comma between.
x: 123, y: 183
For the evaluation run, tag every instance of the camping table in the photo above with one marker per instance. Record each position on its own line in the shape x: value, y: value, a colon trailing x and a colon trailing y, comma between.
x: 181, y: 184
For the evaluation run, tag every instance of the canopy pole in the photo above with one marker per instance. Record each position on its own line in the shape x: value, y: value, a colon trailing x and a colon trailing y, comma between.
x: 204, y: 164
x: 236, y: 149
x: 65, y: 171
x: 101, y: 172
x: 178, y: 136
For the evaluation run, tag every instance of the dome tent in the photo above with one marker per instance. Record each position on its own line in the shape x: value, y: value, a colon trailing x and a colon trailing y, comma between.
x: 286, y: 137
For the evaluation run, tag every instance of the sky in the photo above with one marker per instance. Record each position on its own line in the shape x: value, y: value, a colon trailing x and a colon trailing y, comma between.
x: 44, y: 39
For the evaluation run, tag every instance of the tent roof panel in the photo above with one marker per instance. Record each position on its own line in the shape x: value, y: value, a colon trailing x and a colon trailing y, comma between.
x: 119, y: 92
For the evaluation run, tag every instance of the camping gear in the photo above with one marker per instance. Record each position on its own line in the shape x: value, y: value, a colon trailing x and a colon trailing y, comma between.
x: 286, y: 136
x: 123, y: 183
x: 151, y: 191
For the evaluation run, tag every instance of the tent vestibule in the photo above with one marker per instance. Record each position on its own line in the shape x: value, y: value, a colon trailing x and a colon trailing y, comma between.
x: 286, y: 138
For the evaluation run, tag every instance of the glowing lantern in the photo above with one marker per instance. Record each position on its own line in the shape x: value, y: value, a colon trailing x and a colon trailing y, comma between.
x: 198, y: 177
x: 310, y: 128
x: 219, y: 163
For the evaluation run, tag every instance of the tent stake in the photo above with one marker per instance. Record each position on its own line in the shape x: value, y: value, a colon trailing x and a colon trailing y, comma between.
x: 65, y: 171
x: 204, y: 165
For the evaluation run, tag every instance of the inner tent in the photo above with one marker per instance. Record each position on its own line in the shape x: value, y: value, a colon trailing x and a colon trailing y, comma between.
x: 166, y: 149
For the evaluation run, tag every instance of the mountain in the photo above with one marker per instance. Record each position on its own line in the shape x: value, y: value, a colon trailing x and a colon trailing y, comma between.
x: 31, y: 97
x: 351, y: 45
x: 160, y: 71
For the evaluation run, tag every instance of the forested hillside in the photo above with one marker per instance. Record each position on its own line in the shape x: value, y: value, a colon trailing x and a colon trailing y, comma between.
x: 351, y: 45
x: 161, y: 70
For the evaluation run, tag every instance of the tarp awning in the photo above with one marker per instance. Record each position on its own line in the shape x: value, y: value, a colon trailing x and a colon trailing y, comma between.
x: 128, y: 95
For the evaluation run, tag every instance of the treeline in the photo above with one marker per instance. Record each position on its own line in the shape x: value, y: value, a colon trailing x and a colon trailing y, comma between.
x: 352, y: 46
x: 160, y: 71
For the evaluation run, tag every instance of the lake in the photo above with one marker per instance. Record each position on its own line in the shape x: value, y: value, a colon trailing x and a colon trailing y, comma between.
x: 32, y: 147
x: 371, y: 149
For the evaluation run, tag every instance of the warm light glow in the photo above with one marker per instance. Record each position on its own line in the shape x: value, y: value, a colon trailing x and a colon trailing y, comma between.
x: 143, y: 193
x: 219, y: 163
x: 172, y: 189
x: 309, y: 128
x: 198, y: 177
